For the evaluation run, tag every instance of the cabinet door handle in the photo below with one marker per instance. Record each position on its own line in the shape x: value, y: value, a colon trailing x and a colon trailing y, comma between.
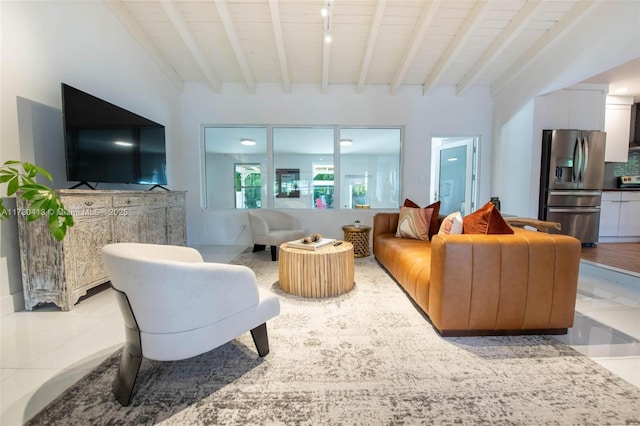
x: 88, y: 203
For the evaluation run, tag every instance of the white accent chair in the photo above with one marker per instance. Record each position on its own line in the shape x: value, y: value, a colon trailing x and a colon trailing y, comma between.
x: 272, y: 228
x: 177, y: 306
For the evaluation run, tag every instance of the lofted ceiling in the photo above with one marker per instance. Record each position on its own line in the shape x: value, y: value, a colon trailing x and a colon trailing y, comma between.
x: 461, y: 43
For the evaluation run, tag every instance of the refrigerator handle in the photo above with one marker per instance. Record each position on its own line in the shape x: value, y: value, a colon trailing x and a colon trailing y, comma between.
x: 575, y: 210
x: 576, y: 160
x: 581, y: 193
x: 585, y: 161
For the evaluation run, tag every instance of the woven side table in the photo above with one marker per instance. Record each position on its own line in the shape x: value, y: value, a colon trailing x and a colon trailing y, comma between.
x: 359, y: 237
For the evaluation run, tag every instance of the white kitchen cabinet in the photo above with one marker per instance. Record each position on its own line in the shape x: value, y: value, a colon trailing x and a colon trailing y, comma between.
x: 629, y: 223
x: 609, y: 214
x: 579, y: 107
x: 62, y: 271
x: 586, y: 109
x: 620, y: 216
x: 617, y: 124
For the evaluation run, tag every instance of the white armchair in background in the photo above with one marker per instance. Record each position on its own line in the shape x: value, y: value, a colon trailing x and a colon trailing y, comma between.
x: 272, y: 228
x: 177, y: 306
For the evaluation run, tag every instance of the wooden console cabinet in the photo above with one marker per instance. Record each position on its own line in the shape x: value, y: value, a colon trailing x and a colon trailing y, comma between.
x: 62, y: 271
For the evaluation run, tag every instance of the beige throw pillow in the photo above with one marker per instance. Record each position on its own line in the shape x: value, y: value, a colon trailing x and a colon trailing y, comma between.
x: 414, y: 223
x: 452, y: 224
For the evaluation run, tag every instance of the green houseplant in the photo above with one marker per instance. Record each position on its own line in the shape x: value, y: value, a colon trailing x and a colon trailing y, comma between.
x: 44, y: 202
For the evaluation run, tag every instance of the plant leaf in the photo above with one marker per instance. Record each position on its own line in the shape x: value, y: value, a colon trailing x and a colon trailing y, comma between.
x: 43, y: 200
x: 12, y: 187
x: 4, y: 213
x: 43, y: 172
x: 34, y: 194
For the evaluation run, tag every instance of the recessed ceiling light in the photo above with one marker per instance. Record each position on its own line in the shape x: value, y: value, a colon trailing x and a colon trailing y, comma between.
x: 248, y: 142
x: 346, y: 142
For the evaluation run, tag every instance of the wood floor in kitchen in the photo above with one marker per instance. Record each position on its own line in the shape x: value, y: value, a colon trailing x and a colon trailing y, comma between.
x: 620, y: 255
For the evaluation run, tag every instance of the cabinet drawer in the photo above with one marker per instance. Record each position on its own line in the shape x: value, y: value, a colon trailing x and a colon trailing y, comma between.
x: 611, y: 196
x: 77, y: 204
x: 127, y: 201
x: 164, y: 200
x: 630, y: 196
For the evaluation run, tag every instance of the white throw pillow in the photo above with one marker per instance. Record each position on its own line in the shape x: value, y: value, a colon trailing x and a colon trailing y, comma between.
x: 452, y: 224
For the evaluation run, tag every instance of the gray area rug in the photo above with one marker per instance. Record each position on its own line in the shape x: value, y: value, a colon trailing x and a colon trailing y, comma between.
x: 368, y: 357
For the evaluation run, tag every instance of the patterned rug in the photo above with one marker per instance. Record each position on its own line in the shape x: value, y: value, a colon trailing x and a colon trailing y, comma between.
x: 368, y: 357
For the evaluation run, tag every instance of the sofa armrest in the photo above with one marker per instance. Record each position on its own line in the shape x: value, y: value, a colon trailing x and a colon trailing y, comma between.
x: 524, y: 281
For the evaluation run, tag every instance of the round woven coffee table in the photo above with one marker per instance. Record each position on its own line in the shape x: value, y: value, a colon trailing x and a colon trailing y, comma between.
x: 316, y: 273
x: 359, y: 237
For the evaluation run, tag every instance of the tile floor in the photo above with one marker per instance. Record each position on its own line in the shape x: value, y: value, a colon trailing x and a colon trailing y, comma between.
x: 45, y: 351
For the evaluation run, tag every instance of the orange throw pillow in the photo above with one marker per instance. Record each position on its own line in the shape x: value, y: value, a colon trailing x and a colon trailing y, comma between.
x: 486, y: 220
x: 433, y: 227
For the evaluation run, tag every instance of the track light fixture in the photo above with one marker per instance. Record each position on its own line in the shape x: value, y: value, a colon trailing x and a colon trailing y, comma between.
x: 326, y: 13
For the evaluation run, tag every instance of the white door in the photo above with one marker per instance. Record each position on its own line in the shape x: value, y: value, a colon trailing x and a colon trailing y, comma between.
x: 453, y: 165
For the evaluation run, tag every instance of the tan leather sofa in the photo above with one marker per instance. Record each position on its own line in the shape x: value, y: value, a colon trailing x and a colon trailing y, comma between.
x: 472, y: 284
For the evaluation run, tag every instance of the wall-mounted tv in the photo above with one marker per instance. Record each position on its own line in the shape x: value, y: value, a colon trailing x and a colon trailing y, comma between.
x: 106, y: 143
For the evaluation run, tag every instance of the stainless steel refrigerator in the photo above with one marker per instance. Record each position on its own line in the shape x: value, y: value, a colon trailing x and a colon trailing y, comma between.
x: 571, y: 177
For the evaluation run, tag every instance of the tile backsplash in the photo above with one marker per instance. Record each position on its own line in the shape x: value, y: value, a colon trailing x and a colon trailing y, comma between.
x: 613, y: 170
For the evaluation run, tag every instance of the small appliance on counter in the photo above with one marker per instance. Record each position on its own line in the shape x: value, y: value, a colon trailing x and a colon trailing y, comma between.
x: 629, y: 182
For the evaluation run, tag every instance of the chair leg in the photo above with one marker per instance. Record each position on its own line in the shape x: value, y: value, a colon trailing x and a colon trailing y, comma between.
x: 131, y: 357
x: 261, y: 339
x: 274, y: 253
x: 258, y: 247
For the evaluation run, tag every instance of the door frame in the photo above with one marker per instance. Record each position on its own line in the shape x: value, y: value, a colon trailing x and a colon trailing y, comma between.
x: 439, y: 142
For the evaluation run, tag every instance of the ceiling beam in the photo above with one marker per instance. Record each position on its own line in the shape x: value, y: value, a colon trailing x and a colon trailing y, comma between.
x: 371, y: 44
x: 282, y: 53
x: 506, y: 37
x: 560, y: 27
x: 236, y: 44
x: 428, y: 13
x: 470, y: 24
x: 180, y: 23
x: 134, y: 28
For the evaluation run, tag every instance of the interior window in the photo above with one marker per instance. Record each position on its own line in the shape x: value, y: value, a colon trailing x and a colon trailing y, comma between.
x: 370, y: 167
x: 248, y: 167
x: 297, y: 154
x: 234, y: 161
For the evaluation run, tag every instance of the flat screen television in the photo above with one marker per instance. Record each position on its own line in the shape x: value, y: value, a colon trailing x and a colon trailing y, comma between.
x: 106, y: 143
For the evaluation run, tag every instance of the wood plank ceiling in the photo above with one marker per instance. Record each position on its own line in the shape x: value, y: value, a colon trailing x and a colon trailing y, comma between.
x: 461, y: 43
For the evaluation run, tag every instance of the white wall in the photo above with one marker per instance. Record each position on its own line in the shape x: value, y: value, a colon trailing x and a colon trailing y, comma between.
x: 80, y: 43
x: 607, y: 36
x: 441, y: 113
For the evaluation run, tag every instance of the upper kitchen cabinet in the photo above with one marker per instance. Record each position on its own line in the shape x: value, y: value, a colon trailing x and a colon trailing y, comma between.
x: 617, y: 124
x: 579, y: 107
